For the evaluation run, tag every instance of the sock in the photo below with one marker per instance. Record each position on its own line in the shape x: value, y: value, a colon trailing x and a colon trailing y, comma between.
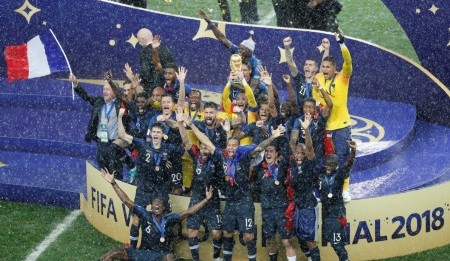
x: 315, y: 254
x: 228, y: 244
x: 193, y: 246
x: 292, y: 258
x: 251, y: 248
x: 217, y: 245
x: 134, y: 236
x: 273, y: 256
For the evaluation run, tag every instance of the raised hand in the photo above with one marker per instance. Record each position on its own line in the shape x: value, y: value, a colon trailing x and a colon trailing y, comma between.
x: 209, y: 192
x: 128, y: 72
x: 73, y: 79
x: 180, y: 115
x: 278, y: 131
x: 187, y: 120
x: 107, y: 75
x: 316, y: 84
x: 156, y: 41
x: 287, y: 41
x: 325, y: 44
x: 226, y: 125
x: 339, y: 36
x: 287, y: 78
x: 306, y: 122
x: 266, y: 77
x: 121, y: 112
x: 181, y: 74
x: 108, y: 176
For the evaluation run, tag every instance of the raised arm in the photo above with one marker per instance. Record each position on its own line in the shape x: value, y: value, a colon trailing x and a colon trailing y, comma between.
x: 326, y: 49
x: 80, y: 91
x: 347, y: 68
x: 328, y: 101
x: 249, y: 93
x: 289, y: 56
x: 226, y: 102
x: 180, y: 119
x: 122, y: 134
x: 109, y: 177
x: 275, y: 134
x: 266, y: 78
x: 156, y: 42
x: 200, y: 135
x: 195, y: 208
x: 351, y: 158
x: 308, y: 140
x: 219, y: 35
x: 181, y: 76
x: 292, y: 98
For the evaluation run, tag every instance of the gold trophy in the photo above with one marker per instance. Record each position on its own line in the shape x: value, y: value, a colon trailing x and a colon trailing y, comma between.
x: 236, y: 66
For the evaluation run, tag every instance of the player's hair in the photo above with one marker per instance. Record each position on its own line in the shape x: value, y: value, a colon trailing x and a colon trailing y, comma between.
x: 330, y: 59
x: 197, y: 91
x: 158, y: 125
x: 234, y: 138
x: 143, y: 95
x: 171, y: 66
x: 210, y: 104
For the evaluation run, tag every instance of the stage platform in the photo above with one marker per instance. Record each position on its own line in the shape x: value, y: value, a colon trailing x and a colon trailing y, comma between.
x: 43, y: 152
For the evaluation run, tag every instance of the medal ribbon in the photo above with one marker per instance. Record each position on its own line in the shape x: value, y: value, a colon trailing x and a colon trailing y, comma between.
x: 330, y: 183
x: 273, y: 171
x: 231, y: 170
x: 156, y: 156
x: 202, y: 165
x: 161, y: 227
x: 107, y: 111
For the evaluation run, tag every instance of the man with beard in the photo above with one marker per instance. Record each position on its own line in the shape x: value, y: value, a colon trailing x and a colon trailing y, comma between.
x: 334, y: 216
x: 303, y: 179
x: 212, y: 126
x: 154, y: 157
x: 172, y: 84
x: 151, y: 66
x: 269, y: 183
x: 157, y: 236
x: 245, y: 50
x: 208, y: 166
x: 239, y: 209
x: 336, y: 84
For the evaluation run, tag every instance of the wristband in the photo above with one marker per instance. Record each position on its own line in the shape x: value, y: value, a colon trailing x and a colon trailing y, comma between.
x: 113, y: 183
x: 341, y: 38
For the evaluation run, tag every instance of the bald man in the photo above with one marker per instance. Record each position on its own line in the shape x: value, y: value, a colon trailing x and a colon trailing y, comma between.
x: 151, y: 64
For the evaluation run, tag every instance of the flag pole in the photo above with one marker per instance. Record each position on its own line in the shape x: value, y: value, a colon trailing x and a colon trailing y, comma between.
x: 65, y: 57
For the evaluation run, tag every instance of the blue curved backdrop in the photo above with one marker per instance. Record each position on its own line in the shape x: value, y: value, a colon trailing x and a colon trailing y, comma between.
x: 94, y: 35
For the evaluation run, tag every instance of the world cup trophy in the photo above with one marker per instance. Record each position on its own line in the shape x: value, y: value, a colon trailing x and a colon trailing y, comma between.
x: 236, y: 66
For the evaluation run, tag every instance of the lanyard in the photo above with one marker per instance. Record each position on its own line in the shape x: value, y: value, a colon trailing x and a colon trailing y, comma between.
x: 161, y: 227
x: 195, y: 114
x: 107, y: 111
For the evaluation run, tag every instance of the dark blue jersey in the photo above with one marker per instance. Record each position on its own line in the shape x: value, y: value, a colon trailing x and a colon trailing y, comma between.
x: 139, y: 123
x: 153, y: 231
x: 152, y: 164
x: 218, y: 136
x: 207, y: 173
x: 237, y: 171
x: 259, y: 134
x: 330, y: 189
x: 270, y: 183
x: 317, y: 131
x: 303, y: 181
x: 171, y: 135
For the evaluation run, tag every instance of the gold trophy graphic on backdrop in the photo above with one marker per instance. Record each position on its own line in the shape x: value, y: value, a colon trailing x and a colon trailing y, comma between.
x: 236, y: 66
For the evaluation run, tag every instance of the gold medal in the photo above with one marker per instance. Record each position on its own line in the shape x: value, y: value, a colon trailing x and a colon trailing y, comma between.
x: 330, y: 195
x: 162, y: 239
x: 165, y: 137
x: 277, y: 182
x: 157, y: 168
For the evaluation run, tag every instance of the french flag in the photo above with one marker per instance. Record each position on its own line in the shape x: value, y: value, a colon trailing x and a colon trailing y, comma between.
x: 39, y: 57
